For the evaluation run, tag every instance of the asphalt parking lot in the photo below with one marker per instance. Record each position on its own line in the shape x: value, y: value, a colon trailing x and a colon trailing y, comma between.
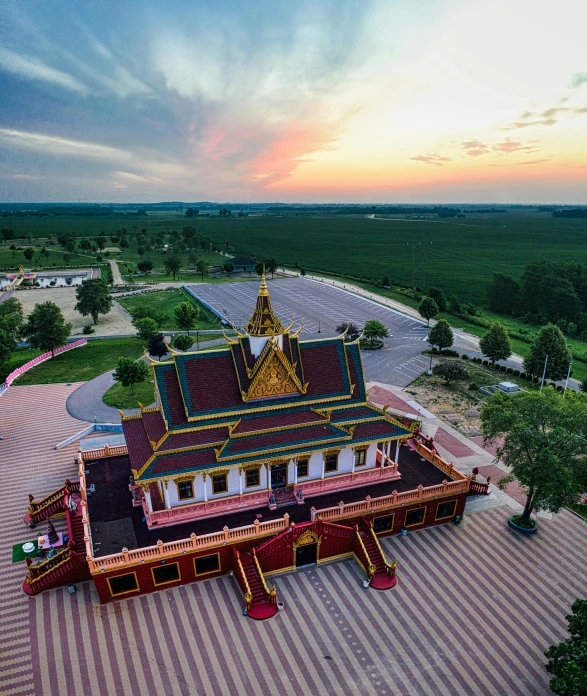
x: 322, y: 308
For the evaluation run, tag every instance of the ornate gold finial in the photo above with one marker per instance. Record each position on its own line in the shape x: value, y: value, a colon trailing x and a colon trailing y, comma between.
x: 264, y: 322
x: 263, y: 292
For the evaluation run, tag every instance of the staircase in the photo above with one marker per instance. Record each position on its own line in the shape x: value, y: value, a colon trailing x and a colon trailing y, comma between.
x: 284, y: 497
x: 66, y: 566
x: 50, y: 505
x: 261, y: 601
x: 370, y: 554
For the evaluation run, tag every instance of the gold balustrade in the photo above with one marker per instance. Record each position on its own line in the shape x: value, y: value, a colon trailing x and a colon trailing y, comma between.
x: 270, y: 592
x: 248, y: 593
x: 370, y: 569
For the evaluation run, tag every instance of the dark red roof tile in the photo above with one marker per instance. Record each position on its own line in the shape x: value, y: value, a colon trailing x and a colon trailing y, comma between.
x: 277, y: 420
x: 183, y: 461
x: 270, y: 441
x: 154, y: 425
x: 195, y: 438
x: 137, y: 442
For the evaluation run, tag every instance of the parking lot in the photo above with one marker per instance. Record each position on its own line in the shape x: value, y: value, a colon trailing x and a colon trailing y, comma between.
x: 322, y: 308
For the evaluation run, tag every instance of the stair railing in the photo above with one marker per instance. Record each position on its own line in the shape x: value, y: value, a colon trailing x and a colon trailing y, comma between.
x: 389, y: 567
x: 368, y: 567
x: 39, y: 510
x: 48, y: 567
x: 242, y: 579
x: 271, y: 593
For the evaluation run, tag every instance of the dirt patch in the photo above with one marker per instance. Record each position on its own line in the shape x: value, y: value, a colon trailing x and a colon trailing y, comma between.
x: 117, y: 322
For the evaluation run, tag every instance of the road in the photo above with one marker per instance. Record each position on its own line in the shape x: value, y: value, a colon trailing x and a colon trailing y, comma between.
x: 323, y: 307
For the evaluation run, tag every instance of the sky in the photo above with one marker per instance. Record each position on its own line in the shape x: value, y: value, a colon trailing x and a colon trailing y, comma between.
x: 409, y: 101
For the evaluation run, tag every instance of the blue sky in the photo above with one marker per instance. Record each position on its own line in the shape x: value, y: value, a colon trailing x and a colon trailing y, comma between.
x: 371, y: 100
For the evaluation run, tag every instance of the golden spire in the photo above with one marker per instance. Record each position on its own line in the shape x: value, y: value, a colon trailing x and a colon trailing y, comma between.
x: 264, y: 322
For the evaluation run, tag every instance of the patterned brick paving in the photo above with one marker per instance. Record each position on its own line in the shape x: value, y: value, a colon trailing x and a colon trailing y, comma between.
x: 474, y: 610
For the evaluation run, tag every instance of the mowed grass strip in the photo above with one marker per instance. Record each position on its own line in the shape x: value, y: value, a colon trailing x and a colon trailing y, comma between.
x: 122, y: 397
x: 165, y: 302
x: 85, y: 363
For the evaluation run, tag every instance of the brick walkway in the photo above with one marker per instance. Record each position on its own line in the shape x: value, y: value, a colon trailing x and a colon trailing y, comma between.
x: 474, y: 609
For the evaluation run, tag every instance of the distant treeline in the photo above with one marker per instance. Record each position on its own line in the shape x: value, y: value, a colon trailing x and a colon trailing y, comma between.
x: 487, y: 210
x: 547, y: 291
x: 368, y: 210
x: 85, y: 211
x: 572, y: 213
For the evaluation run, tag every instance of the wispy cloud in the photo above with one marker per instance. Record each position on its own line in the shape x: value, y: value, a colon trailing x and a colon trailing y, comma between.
x: 473, y: 148
x: 578, y: 79
x: 59, y: 146
x: 531, y: 123
x: 433, y: 158
x: 33, y: 69
x: 521, y: 164
x: 508, y: 146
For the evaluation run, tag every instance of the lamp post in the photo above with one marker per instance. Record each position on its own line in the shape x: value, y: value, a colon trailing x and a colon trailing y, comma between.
x: 544, y: 373
x: 567, y: 380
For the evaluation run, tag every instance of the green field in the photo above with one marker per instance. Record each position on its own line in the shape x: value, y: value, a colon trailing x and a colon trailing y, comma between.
x: 165, y: 302
x: 80, y: 364
x: 121, y: 397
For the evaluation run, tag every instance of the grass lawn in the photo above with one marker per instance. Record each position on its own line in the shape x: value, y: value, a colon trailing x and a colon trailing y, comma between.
x: 82, y: 364
x: 121, y: 397
x: 580, y: 510
x: 165, y: 302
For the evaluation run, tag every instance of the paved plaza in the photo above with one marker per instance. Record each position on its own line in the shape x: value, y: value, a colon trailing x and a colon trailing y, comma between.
x: 474, y: 609
x: 322, y: 308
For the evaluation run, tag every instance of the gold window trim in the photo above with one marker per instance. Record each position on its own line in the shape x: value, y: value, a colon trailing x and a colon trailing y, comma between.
x: 208, y: 572
x: 331, y: 453
x: 446, y: 517
x: 385, y: 531
x: 119, y: 594
x: 305, y: 539
x: 306, y: 460
x: 357, y: 451
x: 223, y: 474
x: 167, y: 582
x: 186, y: 479
x: 415, y: 524
x: 253, y: 485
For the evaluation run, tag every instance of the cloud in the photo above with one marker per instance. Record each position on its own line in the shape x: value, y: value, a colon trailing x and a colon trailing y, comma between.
x: 553, y: 111
x: 530, y: 124
x: 507, y: 146
x: 520, y: 164
x: 578, y: 79
x: 581, y: 110
x: 433, y: 158
x: 474, y: 148
x: 54, y: 145
x: 32, y: 69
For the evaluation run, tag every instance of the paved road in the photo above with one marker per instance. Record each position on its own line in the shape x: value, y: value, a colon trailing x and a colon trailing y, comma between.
x: 117, y: 278
x: 323, y: 307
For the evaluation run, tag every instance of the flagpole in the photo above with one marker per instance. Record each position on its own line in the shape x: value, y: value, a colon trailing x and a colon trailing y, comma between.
x: 544, y: 373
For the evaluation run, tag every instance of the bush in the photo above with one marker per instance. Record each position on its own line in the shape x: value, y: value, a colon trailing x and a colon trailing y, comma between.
x: 486, y: 363
x: 451, y: 371
x: 528, y: 524
x: 464, y: 356
x: 183, y: 342
x: 88, y: 329
x: 509, y: 370
x: 516, y: 373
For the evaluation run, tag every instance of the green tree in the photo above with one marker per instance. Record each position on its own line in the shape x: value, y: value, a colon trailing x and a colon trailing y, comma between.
x: 123, y: 244
x: 100, y: 242
x: 11, y: 319
x: 93, y: 298
x: 45, y: 327
x: 496, y: 343
x: 186, y: 316
x: 5, y: 354
x: 385, y: 282
x: 454, y: 304
x: 441, y: 335
x: 260, y: 267
x: 146, y: 328
x: 451, y: 371
x: 29, y: 252
x: 192, y: 212
x: 352, y: 332
x: 428, y: 309
x: 568, y: 660
x: 229, y: 267
x: 130, y: 372
x: 157, y: 346
x: 541, y: 438
x: 374, y: 330
x: 549, y: 341
x: 271, y: 266
x: 183, y: 342
x: 141, y: 250
x: 173, y: 264
x: 503, y: 294
x: 192, y: 258
x: 438, y: 296
x: 145, y: 266
x: 202, y: 267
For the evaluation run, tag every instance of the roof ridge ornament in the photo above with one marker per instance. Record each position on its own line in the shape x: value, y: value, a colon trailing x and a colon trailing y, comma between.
x: 263, y: 322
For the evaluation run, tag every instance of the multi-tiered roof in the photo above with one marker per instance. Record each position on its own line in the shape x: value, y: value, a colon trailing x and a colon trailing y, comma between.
x: 224, y: 408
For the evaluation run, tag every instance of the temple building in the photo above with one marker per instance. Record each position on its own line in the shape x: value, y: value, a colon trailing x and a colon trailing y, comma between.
x: 256, y: 458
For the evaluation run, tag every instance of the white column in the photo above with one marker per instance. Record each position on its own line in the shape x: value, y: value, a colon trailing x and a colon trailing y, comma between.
x: 205, y: 477
x: 323, y: 465
x: 354, y: 461
x: 147, y: 493
x: 296, y: 472
x: 166, y: 494
x: 240, y: 481
x: 268, y: 476
x: 389, y: 450
x: 397, y: 451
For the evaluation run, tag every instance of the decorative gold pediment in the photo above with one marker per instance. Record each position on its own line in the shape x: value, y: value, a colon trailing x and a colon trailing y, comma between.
x: 307, y: 538
x: 274, y: 377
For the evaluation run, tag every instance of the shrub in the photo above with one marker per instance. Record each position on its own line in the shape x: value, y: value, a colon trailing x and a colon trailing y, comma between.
x: 88, y: 329
x: 509, y: 370
x: 183, y: 342
x: 451, y: 372
x: 464, y: 356
x: 516, y: 373
x: 486, y: 363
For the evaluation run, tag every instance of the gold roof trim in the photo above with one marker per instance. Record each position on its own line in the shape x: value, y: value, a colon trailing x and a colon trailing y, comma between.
x: 263, y: 321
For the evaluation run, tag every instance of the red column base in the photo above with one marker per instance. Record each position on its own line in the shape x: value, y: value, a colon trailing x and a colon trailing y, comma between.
x: 382, y: 581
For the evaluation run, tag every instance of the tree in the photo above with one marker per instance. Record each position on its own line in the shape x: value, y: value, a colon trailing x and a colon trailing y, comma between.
x: 130, y: 372
x: 145, y: 266
x: 271, y: 266
x: 451, y: 371
x: 454, y: 304
x: 202, y: 267
x: 7, y: 233
x: 186, y: 316
x: 45, y: 327
x: 192, y: 212
x: 192, y: 258
x: 374, y: 330
x: 438, y: 296
x: 260, y: 267
x: 352, y: 332
x: 229, y: 267
x: 568, y: 660
x: 100, y: 242
x: 157, y: 346
x: 441, y: 335
x: 11, y: 319
x: 183, y: 342
x: 428, y: 309
x: 93, y: 298
x: 29, y: 252
x: 503, y: 294
x: 549, y: 341
x: 123, y: 244
x: 543, y: 442
x: 5, y: 353
x: 146, y: 328
x: 141, y: 250
x: 385, y: 282
x: 173, y: 264
x: 496, y: 343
